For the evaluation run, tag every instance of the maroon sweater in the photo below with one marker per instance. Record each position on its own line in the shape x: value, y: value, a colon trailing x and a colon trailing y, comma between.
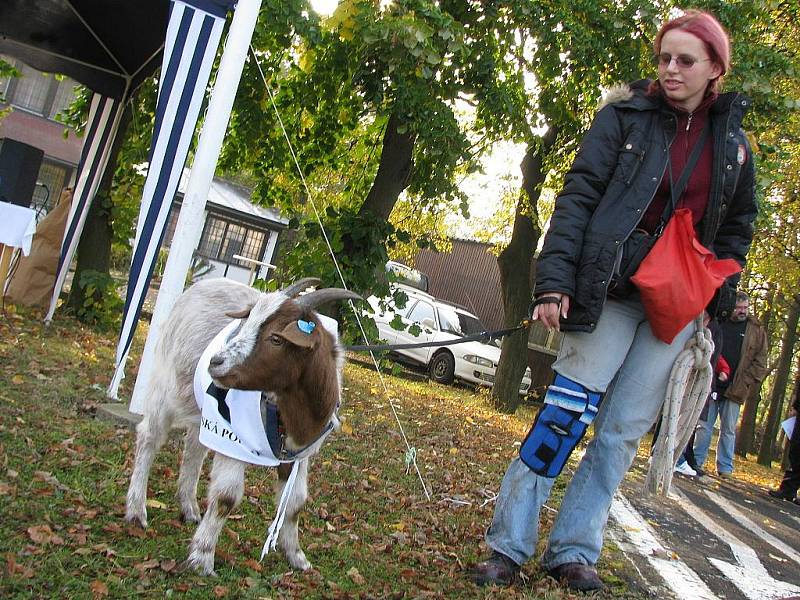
x: 695, y: 196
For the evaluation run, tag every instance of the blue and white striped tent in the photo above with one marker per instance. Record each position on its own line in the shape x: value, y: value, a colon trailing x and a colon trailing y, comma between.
x: 111, y: 47
x: 193, y: 35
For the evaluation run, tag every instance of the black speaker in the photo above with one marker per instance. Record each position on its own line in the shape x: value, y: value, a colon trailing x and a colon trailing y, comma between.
x: 19, y: 169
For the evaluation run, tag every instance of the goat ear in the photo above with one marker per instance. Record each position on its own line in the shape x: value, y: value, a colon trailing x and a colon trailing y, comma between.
x: 293, y: 334
x: 240, y: 314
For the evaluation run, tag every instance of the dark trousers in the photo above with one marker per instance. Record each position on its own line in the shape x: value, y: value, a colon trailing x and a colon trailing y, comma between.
x: 791, y: 478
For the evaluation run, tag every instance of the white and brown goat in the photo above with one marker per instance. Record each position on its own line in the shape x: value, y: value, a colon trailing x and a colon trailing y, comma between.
x: 303, y: 379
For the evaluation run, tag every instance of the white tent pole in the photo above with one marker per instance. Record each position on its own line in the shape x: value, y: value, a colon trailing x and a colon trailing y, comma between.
x: 190, y: 221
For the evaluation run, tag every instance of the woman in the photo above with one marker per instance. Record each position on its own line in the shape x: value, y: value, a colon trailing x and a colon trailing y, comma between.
x: 629, y: 167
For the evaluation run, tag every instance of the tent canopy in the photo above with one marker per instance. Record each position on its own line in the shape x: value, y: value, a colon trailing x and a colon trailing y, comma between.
x: 102, y: 44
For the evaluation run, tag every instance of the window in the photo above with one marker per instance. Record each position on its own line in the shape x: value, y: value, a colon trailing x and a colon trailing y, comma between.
x: 37, y: 92
x: 222, y: 239
x: 422, y: 311
x: 49, y: 184
x: 31, y: 90
x: 65, y: 94
x: 458, y: 323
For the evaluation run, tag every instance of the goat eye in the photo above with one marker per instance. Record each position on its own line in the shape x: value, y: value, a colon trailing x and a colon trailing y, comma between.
x: 276, y: 339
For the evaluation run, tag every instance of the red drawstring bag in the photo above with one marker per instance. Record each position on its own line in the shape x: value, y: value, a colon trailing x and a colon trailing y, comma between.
x: 678, y: 277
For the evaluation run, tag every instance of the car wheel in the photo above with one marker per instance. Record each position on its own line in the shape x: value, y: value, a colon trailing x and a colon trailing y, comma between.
x: 443, y: 368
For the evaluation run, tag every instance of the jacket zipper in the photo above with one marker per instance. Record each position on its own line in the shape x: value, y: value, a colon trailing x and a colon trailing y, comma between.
x: 715, y: 200
x: 618, y: 257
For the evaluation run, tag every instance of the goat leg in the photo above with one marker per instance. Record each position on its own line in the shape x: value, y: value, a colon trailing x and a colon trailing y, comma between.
x: 288, y: 540
x: 194, y: 453
x: 224, y: 494
x: 151, y: 433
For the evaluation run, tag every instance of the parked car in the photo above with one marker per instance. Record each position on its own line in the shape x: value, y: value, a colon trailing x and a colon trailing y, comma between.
x: 407, y: 275
x: 428, y: 319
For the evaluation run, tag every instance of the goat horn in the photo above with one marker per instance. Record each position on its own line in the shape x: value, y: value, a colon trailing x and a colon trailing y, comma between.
x: 320, y: 297
x: 298, y: 286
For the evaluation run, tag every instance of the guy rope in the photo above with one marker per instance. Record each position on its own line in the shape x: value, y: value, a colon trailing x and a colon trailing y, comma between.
x: 687, y: 391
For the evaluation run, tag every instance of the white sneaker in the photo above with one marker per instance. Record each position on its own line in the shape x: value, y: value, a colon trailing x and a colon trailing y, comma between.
x: 684, y: 469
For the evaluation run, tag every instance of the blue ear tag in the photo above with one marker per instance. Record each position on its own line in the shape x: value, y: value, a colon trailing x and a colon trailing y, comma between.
x: 306, y: 326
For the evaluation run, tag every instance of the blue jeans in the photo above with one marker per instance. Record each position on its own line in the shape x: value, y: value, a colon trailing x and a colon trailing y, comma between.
x: 622, y: 349
x: 728, y: 412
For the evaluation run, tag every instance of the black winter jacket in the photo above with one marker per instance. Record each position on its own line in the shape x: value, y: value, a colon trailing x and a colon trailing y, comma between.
x: 616, y: 173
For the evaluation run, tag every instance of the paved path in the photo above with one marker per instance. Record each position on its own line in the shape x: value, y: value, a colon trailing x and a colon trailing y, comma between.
x: 712, y: 539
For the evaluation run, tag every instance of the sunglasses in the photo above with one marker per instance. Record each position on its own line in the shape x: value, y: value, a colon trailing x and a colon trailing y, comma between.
x: 682, y: 60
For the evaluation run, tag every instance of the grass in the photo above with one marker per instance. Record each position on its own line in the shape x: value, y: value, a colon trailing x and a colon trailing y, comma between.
x: 369, y: 530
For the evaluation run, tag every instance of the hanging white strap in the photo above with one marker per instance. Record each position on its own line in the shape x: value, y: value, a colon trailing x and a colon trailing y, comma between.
x: 687, y: 390
x: 274, y: 529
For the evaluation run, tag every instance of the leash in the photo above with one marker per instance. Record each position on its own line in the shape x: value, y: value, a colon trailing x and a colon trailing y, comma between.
x: 483, y: 336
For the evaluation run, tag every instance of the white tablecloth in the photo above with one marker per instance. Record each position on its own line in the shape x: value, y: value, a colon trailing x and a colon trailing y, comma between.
x: 17, y: 226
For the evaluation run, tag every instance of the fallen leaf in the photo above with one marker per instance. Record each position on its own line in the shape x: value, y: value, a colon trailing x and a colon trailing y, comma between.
x: 151, y: 503
x: 99, y: 589
x: 168, y: 565
x: 252, y: 563
x: 220, y: 591
x: 112, y: 528
x: 42, y: 534
x: 146, y: 565
x: 14, y: 568
x: 355, y: 576
x: 17, y: 380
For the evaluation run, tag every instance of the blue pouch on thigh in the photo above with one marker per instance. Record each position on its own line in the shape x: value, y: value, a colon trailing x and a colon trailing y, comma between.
x: 568, y: 410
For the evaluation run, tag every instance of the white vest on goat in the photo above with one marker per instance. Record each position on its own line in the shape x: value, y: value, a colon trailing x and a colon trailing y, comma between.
x: 242, y: 436
x: 240, y: 432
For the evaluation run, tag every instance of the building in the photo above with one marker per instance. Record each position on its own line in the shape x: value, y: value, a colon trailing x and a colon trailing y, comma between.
x: 33, y: 101
x: 470, y: 276
x: 239, y: 238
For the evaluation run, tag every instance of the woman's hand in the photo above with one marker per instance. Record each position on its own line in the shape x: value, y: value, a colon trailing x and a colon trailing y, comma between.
x: 550, y: 312
x: 723, y: 377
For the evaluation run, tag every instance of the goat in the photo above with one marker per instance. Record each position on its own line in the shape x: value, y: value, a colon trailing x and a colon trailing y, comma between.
x: 299, y: 371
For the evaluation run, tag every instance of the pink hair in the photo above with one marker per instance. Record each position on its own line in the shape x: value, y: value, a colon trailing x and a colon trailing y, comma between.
x: 706, y: 28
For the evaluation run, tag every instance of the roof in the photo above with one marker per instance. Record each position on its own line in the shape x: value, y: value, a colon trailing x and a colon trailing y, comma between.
x: 99, y: 43
x: 236, y: 198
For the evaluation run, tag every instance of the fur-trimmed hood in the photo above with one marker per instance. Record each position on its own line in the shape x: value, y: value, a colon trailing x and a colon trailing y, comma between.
x: 617, y: 93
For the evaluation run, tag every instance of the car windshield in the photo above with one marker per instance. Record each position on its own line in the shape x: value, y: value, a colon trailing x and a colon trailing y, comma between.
x: 458, y: 323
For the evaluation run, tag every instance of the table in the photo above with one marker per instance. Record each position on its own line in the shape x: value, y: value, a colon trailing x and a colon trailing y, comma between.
x: 17, y: 226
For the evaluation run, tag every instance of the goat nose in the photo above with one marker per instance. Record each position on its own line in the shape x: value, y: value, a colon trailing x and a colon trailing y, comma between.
x: 216, y: 361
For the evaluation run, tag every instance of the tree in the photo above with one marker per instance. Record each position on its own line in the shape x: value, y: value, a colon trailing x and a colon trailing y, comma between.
x: 766, y: 452
x: 574, y: 50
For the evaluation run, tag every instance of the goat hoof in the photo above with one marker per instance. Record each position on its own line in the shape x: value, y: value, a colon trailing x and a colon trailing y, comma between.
x: 190, y: 516
x: 201, y: 563
x: 137, y: 519
x: 298, y: 561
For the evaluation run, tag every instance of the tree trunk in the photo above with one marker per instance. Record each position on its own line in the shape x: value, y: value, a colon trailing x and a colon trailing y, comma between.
x: 766, y: 452
x: 746, y: 436
x: 394, y: 170
x: 94, y: 247
x: 515, y: 263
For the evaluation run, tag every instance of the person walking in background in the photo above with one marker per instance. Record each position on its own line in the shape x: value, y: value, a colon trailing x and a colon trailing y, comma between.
x: 745, y: 350
x: 791, y: 478
x: 656, y: 146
